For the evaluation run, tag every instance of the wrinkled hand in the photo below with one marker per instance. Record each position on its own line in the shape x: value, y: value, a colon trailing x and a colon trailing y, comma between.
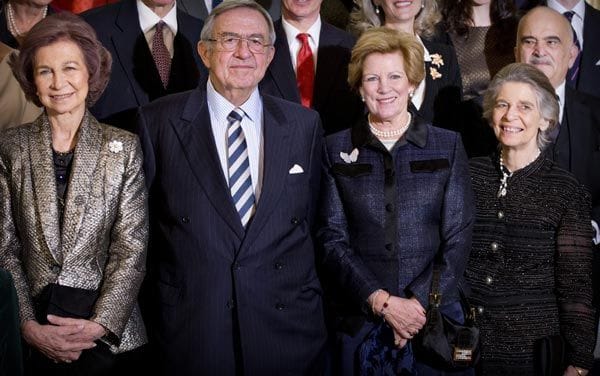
x: 56, y: 342
x: 572, y: 371
x: 399, y: 341
x: 405, y: 316
x: 90, y: 331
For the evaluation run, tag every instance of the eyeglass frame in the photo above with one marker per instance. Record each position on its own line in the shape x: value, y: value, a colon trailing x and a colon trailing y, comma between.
x: 238, y: 38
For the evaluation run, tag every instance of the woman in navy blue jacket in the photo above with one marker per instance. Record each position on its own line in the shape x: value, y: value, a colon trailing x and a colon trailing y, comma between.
x: 396, y: 192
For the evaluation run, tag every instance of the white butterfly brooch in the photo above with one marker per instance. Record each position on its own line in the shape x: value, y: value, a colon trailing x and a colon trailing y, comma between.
x: 115, y: 146
x: 349, y: 158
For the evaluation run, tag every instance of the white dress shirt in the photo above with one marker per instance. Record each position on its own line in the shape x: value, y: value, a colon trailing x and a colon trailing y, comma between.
x: 419, y: 93
x: 148, y: 20
x: 291, y: 32
x: 252, y: 125
x: 577, y: 21
x: 560, y: 92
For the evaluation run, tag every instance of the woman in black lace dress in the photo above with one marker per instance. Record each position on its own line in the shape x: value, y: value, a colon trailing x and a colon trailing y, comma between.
x: 531, y: 261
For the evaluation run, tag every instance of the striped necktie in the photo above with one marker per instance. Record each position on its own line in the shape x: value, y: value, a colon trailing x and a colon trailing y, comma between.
x: 240, y: 180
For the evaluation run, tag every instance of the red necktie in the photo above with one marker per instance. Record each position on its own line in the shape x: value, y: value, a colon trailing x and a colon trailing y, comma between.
x: 305, y: 71
x: 161, y: 55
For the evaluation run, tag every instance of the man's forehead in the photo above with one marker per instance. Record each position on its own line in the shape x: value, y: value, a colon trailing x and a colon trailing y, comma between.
x: 245, y: 20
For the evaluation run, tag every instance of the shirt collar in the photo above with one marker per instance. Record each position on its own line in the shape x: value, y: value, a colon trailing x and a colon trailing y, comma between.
x: 148, y: 18
x: 579, y: 8
x: 222, y: 107
x: 426, y: 55
x: 314, y: 31
x: 560, y: 92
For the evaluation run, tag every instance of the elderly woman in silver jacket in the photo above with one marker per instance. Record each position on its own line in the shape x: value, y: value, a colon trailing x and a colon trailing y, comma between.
x: 73, y: 215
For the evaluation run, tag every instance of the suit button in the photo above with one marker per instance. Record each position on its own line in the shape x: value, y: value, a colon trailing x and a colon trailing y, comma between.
x: 480, y: 310
x: 389, y: 208
x: 237, y: 266
x: 494, y: 246
x: 500, y: 214
x: 388, y: 247
x: 488, y: 280
x: 280, y: 306
x: 278, y: 266
x: 230, y: 304
x: 55, y: 268
x: 295, y: 221
x: 185, y: 219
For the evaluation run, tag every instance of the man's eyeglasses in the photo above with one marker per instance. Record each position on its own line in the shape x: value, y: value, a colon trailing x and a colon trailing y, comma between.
x: 231, y: 42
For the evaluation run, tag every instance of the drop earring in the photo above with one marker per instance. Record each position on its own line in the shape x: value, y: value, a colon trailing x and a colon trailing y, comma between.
x: 377, y: 11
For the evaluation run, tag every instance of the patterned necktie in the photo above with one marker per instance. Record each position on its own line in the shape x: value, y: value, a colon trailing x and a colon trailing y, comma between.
x: 161, y: 55
x: 574, y: 70
x: 305, y: 71
x: 240, y: 181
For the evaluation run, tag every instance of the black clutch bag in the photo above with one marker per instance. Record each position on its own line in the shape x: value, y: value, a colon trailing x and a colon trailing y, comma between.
x: 444, y: 343
x: 65, y: 301
x: 550, y: 356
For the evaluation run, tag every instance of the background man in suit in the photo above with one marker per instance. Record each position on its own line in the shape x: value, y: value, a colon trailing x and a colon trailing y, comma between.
x: 545, y: 40
x: 146, y: 64
x: 585, y: 20
x: 233, y: 178
x: 201, y: 8
x: 321, y: 81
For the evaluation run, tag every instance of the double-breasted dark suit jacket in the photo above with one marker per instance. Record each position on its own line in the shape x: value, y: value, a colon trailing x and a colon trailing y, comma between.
x: 337, y: 105
x: 577, y: 148
x: 384, y: 216
x: 134, y: 79
x: 224, y: 299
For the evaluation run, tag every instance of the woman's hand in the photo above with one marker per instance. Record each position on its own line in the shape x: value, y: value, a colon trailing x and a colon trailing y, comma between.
x: 405, y: 316
x: 56, y: 342
x: 575, y: 371
x: 90, y: 332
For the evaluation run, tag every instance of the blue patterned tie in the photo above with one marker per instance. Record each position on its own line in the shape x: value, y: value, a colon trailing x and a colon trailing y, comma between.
x: 240, y: 181
x: 574, y: 70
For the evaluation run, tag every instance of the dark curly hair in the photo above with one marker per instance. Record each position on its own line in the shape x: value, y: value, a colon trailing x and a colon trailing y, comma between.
x: 60, y: 27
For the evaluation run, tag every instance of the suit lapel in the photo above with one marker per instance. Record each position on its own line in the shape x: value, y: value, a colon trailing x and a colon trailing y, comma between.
x: 128, y: 35
x: 281, y: 68
x: 44, y: 184
x: 574, y: 135
x: 276, y: 133
x: 197, y: 141
x: 87, y: 155
x: 328, y: 64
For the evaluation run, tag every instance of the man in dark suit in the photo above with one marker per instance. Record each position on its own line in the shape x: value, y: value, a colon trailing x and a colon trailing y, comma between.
x: 329, y: 49
x: 233, y: 177
x: 545, y: 40
x: 585, y: 20
x: 128, y: 30
x: 199, y: 9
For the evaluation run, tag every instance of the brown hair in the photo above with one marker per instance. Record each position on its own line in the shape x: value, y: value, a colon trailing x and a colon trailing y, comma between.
x: 60, y: 27
x: 384, y: 40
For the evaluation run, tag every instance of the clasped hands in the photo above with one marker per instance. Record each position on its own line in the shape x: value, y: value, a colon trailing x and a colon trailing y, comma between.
x: 63, y: 339
x: 405, y: 316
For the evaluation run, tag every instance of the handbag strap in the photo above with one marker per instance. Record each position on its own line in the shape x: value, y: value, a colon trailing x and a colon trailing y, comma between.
x: 435, y: 296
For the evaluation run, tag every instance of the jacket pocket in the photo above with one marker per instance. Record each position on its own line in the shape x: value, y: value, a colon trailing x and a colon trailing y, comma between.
x: 352, y: 170
x: 429, y: 165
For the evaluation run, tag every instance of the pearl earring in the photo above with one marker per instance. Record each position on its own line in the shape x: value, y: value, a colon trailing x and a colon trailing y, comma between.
x: 377, y: 11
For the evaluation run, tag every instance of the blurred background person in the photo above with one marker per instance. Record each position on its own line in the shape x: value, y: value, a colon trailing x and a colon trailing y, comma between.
x: 73, y: 217
x: 531, y: 262
x: 438, y: 95
x: 19, y: 16
x: 482, y: 33
x: 15, y: 109
x: 153, y: 46
x: 11, y: 355
x: 395, y: 193
x: 310, y: 65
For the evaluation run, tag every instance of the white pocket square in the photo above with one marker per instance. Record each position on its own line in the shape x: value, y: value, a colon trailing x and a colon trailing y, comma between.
x: 296, y: 169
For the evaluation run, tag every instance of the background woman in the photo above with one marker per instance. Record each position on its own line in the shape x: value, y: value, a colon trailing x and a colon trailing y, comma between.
x: 73, y: 218
x: 395, y: 192
x: 483, y: 33
x: 437, y: 95
x: 19, y: 16
x: 531, y: 262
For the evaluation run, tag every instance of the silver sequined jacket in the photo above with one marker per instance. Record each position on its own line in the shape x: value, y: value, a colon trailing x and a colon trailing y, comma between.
x: 105, y: 226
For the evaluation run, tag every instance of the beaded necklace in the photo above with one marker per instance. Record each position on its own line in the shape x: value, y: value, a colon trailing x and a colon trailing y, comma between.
x: 393, y: 133
x: 12, y: 25
x: 507, y: 174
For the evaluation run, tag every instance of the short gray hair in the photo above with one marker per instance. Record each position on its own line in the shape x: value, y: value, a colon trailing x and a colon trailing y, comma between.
x: 209, y: 23
x: 547, y: 100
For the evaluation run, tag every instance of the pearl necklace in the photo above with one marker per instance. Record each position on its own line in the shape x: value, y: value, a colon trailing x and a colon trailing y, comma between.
x: 12, y: 25
x: 393, y: 133
x: 507, y: 174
